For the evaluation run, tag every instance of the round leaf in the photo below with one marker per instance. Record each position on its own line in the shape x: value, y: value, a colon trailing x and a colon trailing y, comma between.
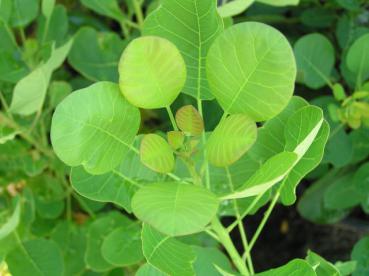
x: 94, y: 127
x: 152, y: 72
x: 189, y: 120
x: 251, y: 69
x: 230, y: 140
x: 315, y: 60
x: 358, y: 58
x: 174, y: 208
x: 156, y: 154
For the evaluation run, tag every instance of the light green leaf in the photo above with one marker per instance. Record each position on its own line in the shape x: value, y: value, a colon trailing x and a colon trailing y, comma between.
x: 11, y: 224
x: 322, y: 267
x: 174, y: 208
x: 257, y: 82
x: 30, y: 92
x: 23, y: 12
x: 38, y: 257
x: 156, y: 154
x: 89, y: 128
x: 96, y: 55
x: 149, y: 270
x: 175, y: 139
x: 109, y: 8
x: 115, y: 186
x: 230, y: 140
x: 189, y: 120
x: 270, y: 173
x: 5, y: 10
x: 7, y: 134
x: 192, y: 25
x: 96, y: 234
x: 152, y: 72
x: 167, y: 254
x: 315, y: 60
x: 358, y: 59
x: 280, y: 3
x: 123, y: 246
x: 47, y: 7
x: 295, y: 267
x: 234, y: 7
x: 209, y: 260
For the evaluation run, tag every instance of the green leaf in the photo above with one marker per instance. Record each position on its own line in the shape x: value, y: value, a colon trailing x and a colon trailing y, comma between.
x: 96, y: 55
x: 38, y: 257
x: 189, y: 120
x: 339, y: 92
x: 152, y: 72
x: 156, y: 154
x: 58, y: 90
x: 360, y: 254
x: 5, y: 10
x: 208, y: 261
x: 47, y: 7
x: 358, y: 59
x: 30, y: 92
x: 149, y: 270
x: 257, y: 82
x: 123, y: 246
x: 317, y: 17
x: 11, y: 224
x: 321, y: 266
x: 295, y: 267
x: 315, y: 60
x: 234, y: 8
x: 361, y: 179
x: 269, y: 174
x: 167, y: 254
x: 96, y: 234
x: 230, y: 140
x: 12, y: 69
x: 192, y: 25
x: 174, y: 208
x: 7, y: 134
x: 23, y: 12
x: 175, y: 139
x: 346, y: 268
x: 109, y: 8
x: 71, y: 240
x: 89, y: 128
x: 280, y: 3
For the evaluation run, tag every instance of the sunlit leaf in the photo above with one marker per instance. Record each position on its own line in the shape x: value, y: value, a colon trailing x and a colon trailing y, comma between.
x: 192, y: 25
x: 89, y: 128
x: 175, y: 139
x: 322, y: 267
x: 189, y: 120
x: 230, y: 140
x: 280, y: 3
x: 257, y: 82
x: 233, y: 8
x: 294, y: 267
x: 167, y: 254
x: 165, y: 206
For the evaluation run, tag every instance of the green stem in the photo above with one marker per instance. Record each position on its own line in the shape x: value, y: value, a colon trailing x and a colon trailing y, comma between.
x: 124, y: 29
x: 171, y: 117
x: 226, y: 241
x: 139, y: 14
x: 241, y: 227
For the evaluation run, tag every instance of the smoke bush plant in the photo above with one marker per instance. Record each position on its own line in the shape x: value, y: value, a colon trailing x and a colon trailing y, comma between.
x: 182, y: 182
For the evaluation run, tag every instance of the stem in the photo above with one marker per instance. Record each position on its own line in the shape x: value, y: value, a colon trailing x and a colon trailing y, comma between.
x: 171, y: 117
x: 241, y: 227
x: 226, y: 241
x: 124, y: 29
x: 206, y: 164
x: 138, y: 12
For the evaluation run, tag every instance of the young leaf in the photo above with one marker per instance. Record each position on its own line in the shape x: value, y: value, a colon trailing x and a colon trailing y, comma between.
x: 192, y: 25
x: 156, y: 154
x: 174, y: 208
x: 270, y: 173
x: 234, y: 8
x: 358, y: 59
x: 189, y: 120
x: 294, y: 267
x: 97, y: 232
x: 175, y: 139
x: 89, y: 128
x: 257, y: 82
x: 152, y: 72
x: 167, y: 254
x: 315, y: 60
x: 230, y: 140
x: 109, y: 8
x: 96, y: 55
x: 35, y: 257
x: 123, y: 246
